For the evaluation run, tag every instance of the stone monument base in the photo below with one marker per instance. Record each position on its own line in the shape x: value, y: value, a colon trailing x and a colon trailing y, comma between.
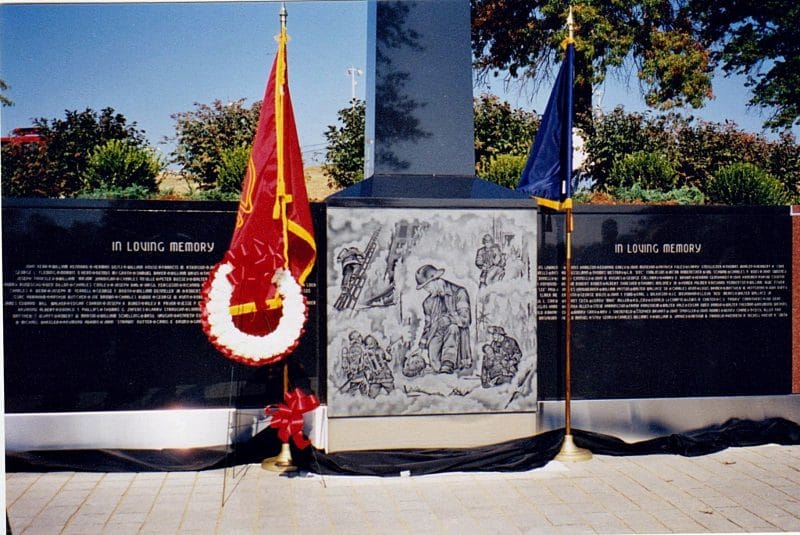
x: 634, y: 420
x: 429, y: 431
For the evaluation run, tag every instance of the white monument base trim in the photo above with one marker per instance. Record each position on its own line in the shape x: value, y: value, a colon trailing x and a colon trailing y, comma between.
x: 429, y: 431
x: 315, y: 427
x: 641, y: 419
x: 156, y: 429
x: 628, y: 419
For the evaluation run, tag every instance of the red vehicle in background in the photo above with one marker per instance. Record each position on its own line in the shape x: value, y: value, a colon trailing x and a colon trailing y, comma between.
x: 19, y: 136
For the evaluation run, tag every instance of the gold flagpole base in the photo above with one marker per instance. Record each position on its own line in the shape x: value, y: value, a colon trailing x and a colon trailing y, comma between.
x: 570, y: 453
x: 281, y: 462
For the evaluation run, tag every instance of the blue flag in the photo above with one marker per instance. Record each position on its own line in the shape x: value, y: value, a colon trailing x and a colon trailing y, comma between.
x: 548, y: 172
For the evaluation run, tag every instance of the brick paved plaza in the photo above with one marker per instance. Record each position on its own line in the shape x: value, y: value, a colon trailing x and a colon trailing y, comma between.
x: 754, y: 489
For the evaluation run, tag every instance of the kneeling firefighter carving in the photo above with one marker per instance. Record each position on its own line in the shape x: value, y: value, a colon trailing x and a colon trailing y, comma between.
x: 252, y: 306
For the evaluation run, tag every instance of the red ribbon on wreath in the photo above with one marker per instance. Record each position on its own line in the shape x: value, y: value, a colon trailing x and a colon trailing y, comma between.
x: 287, y: 417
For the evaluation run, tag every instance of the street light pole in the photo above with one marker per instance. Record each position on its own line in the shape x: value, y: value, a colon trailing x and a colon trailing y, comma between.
x: 353, y: 72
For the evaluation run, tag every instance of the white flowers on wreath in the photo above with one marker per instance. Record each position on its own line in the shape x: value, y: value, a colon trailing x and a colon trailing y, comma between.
x: 248, y: 348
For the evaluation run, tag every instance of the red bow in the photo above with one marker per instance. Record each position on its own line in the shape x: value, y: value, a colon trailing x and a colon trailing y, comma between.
x: 287, y: 417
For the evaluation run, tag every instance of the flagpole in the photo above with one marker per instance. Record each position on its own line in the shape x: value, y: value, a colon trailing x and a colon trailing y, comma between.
x: 568, y: 326
x: 569, y: 451
x: 283, y: 461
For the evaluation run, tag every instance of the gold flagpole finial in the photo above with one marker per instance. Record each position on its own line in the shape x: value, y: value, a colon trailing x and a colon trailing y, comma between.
x: 570, y: 30
x: 283, y: 15
x: 571, y: 24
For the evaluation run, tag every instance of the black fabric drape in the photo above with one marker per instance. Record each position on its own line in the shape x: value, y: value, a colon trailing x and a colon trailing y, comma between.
x: 536, y: 451
x: 514, y: 455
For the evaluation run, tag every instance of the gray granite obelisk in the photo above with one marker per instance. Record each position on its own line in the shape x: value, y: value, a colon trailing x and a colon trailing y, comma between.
x: 419, y: 83
x: 419, y: 139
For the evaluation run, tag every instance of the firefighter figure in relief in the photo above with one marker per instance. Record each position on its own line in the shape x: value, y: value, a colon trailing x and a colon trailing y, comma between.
x: 491, y: 261
x: 445, y: 335
x: 501, y: 358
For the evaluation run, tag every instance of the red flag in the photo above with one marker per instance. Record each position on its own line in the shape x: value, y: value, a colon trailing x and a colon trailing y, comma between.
x: 273, y: 234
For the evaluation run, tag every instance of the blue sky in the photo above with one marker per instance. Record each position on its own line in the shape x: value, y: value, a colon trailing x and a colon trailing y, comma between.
x: 148, y: 61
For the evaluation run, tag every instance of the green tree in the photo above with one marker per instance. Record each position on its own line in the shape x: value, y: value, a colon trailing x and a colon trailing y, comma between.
x: 504, y: 169
x: 55, y: 167
x: 344, y: 158
x: 501, y: 130
x: 523, y: 38
x: 705, y: 147
x: 4, y: 100
x: 745, y: 183
x: 650, y: 170
x: 232, y: 168
x: 119, y: 165
x: 618, y: 133
x: 701, y: 148
x: 695, y: 149
x: 25, y: 171
x: 203, y: 134
x: 784, y: 163
x: 759, y: 39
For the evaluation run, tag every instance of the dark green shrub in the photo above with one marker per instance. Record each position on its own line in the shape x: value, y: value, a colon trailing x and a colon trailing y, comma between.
x: 504, y: 169
x: 637, y: 194
x: 745, y: 183
x: 232, y: 168
x: 120, y: 165
x: 649, y: 170
x: 584, y: 196
x: 618, y: 133
x: 135, y: 191
x: 216, y: 194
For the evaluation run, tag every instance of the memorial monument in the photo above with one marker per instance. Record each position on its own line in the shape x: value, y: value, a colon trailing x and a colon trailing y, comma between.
x: 413, y: 353
x: 680, y: 322
x: 436, y: 306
